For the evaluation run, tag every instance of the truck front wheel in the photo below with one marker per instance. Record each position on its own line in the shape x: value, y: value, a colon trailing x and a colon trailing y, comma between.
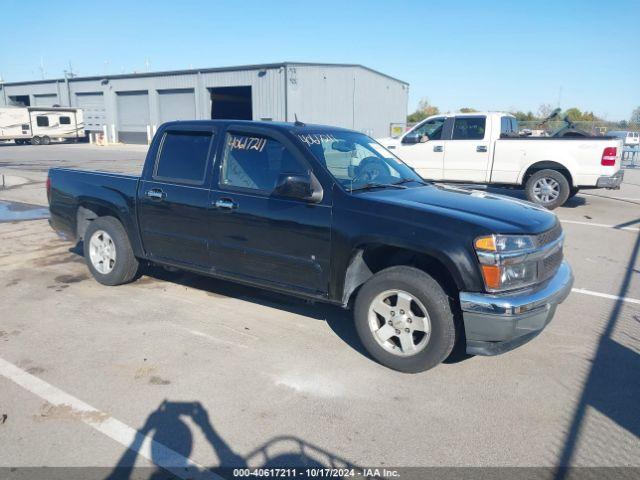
x: 108, y: 252
x: 404, y: 319
x: 548, y: 188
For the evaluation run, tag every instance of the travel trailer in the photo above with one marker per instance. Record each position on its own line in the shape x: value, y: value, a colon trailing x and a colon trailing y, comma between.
x: 40, y: 125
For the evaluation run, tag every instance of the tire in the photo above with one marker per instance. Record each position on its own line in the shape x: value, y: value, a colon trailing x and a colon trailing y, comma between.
x: 35, y: 141
x: 18, y: 142
x: 573, y: 192
x: 115, y: 264
x: 424, y: 294
x: 548, y: 188
x: 45, y: 140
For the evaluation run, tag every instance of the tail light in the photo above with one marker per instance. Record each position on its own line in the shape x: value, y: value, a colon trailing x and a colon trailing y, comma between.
x: 609, y: 156
x: 49, y: 189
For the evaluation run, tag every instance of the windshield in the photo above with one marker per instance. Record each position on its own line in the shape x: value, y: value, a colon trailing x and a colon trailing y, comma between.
x: 357, y: 161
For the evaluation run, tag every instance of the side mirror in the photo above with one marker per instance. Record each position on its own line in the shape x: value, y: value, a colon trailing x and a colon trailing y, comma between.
x: 412, y: 138
x: 299, y: 187
x: 343, y: 146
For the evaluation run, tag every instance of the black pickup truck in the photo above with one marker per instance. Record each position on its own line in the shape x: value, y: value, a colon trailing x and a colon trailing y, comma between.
x: 330, y: 215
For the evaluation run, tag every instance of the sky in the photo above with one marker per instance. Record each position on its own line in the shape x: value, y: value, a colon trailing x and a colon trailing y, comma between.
x: 487, y: 55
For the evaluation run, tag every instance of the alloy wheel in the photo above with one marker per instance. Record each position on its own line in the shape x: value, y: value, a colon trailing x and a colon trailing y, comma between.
x: 399, y: 322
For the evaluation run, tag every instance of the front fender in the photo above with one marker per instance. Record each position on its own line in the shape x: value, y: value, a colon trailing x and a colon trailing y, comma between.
x: 350, y: 270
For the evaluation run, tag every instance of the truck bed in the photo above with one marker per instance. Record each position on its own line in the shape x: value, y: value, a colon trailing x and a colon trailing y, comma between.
x: 558, y: 138
x: 581, y: 157
x: 71, y: 189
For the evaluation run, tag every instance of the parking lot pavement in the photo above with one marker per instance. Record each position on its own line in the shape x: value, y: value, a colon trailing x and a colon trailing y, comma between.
x: 31, y: 162
x: 214, y: 373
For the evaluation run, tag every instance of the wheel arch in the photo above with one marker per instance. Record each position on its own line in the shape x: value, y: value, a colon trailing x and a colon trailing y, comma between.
x: 87, y: 212
x: 91, y: 209
x: 369, y: 258
x: 546, y: 165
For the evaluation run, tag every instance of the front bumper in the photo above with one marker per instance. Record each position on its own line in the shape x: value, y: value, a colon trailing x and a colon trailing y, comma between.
x: 612, y: 182
x: 497, y: 323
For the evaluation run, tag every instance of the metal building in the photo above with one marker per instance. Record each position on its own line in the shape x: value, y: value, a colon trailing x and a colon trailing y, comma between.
x: 131, y: 105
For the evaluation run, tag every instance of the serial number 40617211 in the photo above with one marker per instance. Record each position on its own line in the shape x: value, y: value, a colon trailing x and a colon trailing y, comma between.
x: 294, y: 472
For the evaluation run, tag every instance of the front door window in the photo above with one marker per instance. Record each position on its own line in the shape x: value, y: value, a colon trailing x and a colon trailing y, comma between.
x: 431, y: 129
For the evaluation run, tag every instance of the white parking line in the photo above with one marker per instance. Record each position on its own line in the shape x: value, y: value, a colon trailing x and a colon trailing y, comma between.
x: 601, y: 225
x: 605, y: 295
x: 163, y: 456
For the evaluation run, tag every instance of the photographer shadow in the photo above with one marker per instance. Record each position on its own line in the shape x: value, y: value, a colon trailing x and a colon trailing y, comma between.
x: 171, y: 444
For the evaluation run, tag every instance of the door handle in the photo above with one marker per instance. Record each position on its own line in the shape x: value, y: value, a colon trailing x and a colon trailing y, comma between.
x: 155, y: 194
x: 438, y: 148
x: 481, y: 148
x: 225, y: 204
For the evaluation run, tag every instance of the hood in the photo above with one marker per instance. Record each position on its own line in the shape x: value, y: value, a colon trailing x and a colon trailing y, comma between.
x: 393, y: 141
x: 496, y: 213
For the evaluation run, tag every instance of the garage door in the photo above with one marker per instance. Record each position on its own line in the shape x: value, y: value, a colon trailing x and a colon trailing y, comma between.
x: 178, y: 104
x: 133, y: 116
x: 45, y: 100
x: 92, y: 106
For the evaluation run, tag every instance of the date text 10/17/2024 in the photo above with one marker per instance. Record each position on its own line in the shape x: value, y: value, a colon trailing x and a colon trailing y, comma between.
x: 316, y: 473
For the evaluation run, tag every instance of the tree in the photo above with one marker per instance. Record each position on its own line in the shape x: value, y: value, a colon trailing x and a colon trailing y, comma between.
x: 423, y: 111
x: 544, y: 110
x: 524, y: 117
x: 467, y: 110
x: 576, y: 115
x: 635, y: 116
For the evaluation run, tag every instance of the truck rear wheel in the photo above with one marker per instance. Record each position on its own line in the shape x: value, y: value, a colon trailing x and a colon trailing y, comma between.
x: 404, y: 319
x: 35, y: 140
x: 45, y: 140
x: 548, y: 188
x: 108, y: 252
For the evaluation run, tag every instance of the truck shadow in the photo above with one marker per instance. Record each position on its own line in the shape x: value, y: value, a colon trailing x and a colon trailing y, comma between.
x: 338, y: 319
x: 170, y: 438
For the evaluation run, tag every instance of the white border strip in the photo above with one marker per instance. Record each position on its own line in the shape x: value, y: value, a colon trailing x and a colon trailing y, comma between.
x: 605, y: 295
x: 602, y: 225
x: 164, y: 457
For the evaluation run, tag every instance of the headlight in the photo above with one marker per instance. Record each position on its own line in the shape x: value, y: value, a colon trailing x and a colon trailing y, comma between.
x: 504, y: 243
x: 503, y: 261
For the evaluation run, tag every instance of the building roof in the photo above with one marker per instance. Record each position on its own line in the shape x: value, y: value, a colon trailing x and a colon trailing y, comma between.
x: 264, y: 66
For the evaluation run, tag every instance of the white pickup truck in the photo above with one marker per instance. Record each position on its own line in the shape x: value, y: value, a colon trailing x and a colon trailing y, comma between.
x: 484, y: 148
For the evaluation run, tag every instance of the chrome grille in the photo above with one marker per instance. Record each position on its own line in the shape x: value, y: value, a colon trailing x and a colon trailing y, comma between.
x: 549, y: 236
x: 548, y: 266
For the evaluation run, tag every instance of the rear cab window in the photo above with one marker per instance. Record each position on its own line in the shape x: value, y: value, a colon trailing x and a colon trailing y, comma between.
x: 469, y: 128
x: 183, y: 156
x: 508, y: 126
